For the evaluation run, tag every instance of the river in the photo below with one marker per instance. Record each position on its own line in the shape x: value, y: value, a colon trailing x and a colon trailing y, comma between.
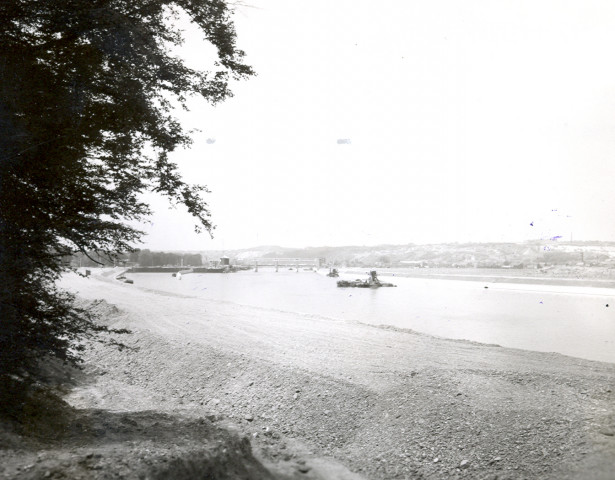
x: 572, y: 320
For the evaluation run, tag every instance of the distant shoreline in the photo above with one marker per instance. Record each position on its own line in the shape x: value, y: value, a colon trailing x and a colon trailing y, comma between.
x: 506, y: 276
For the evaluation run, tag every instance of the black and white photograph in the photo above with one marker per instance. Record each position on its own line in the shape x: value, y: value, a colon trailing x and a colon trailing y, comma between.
x: 324, y: 240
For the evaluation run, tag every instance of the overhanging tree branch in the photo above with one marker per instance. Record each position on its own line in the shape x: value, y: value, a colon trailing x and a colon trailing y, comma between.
x: 84, y: 100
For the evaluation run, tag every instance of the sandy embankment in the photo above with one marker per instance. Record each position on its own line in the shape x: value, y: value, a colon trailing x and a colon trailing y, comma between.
x: 321, y: 398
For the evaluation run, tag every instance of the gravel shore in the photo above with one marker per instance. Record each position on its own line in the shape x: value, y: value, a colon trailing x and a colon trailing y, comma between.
x: 320, y: 398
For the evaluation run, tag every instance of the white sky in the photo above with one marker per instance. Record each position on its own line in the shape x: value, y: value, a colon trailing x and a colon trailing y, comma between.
x: 469, y: 120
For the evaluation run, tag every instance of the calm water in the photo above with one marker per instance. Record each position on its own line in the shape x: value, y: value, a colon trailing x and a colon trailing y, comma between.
x: 574, y: 321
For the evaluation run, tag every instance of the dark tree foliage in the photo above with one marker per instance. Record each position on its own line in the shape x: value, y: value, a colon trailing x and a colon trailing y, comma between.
x: 141, y: 258
x: 86, y: 124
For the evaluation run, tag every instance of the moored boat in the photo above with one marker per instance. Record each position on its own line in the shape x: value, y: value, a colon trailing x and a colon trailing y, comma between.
x: 371, y: 282
x: 333, y: 273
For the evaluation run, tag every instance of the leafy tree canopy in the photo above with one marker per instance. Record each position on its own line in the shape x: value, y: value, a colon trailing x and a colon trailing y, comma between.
x: 87, y: 89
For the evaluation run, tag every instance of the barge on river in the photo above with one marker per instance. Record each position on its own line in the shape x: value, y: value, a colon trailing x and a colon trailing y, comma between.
x: 371, y: 282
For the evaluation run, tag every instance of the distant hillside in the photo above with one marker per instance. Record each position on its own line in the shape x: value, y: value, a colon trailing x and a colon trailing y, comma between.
x: 534, y: 254
x: 477, y: 255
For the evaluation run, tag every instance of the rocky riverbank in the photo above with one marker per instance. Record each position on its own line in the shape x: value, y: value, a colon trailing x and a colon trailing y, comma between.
x: 316, y: 398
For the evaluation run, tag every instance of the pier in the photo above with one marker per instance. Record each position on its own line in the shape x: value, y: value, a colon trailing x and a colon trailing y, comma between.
x: 311, y: 263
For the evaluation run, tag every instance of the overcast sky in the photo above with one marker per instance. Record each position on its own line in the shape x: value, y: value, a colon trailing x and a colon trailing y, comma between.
x: 467, y: 120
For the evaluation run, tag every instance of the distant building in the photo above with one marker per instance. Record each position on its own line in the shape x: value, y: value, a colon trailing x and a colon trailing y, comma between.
x: 225, y: 261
